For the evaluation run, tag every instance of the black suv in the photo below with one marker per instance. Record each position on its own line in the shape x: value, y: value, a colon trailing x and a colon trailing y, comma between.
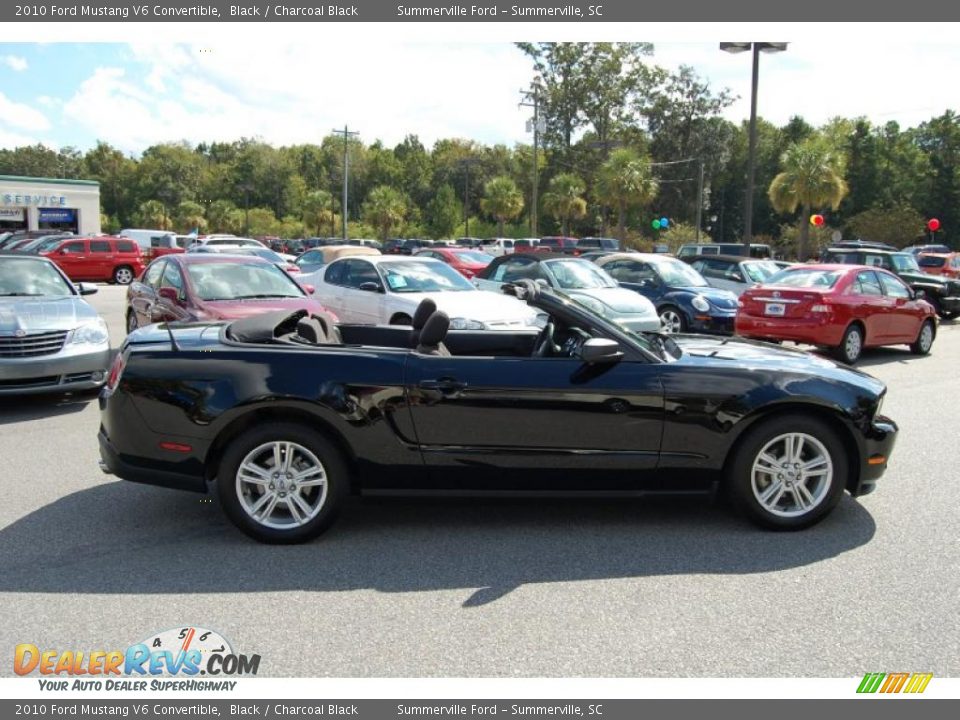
x: 943, y: 294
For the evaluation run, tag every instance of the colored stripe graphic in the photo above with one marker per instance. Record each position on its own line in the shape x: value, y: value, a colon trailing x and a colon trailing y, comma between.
x: 894, y: 682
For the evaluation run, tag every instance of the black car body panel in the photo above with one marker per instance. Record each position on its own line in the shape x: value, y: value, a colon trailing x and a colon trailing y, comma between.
x: 663, y: 418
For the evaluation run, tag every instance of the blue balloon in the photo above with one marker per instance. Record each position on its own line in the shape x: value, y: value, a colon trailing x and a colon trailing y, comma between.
x: 664, y: 222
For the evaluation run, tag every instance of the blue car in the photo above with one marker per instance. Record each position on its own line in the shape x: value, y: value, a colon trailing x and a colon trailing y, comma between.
x: 684, y: 300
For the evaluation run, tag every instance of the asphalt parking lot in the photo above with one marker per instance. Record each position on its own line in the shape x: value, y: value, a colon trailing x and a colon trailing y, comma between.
x: 519, y: 588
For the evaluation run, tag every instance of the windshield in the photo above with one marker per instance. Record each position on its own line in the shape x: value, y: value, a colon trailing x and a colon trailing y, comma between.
x: 423, y: 276
x: 804, y: 278
x: 260, y: 252
x: 679, y: 274
x: 474, y: 256
x: 240, y: 281
x: 760, y: 272
x: 23, y: 277
x: 904, y: 262
x: 577, y: 274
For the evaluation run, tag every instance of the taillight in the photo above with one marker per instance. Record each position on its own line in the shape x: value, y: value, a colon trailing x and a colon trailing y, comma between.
x: 821, y: 308
x: 116, y: 370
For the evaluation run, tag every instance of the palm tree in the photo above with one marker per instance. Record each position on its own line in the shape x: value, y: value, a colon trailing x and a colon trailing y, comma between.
x: 625, y: 181
x: 317, y: 210
x: 384, y: 208
x: 564, y: 199
x: 153, y: 214
x: 811, y: 178
x: 503, y: 200
x: 189, y: 216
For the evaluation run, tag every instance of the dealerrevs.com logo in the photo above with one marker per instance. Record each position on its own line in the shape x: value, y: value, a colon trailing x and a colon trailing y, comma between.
x: 891, y: 683
x: 185, y: 652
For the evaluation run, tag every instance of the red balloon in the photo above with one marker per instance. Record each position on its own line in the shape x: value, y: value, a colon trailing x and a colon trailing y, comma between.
x: 933, y: 224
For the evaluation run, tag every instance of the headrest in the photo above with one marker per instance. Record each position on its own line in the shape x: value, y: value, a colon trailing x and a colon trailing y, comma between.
x: 425, y: 309
x: 310, y: 330
x: 435, y: 329
x: 327, y: 323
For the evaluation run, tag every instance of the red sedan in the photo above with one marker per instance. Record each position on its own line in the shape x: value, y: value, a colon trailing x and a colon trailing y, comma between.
x: 199, y: 286
x: 465, y: 261
x: 842, y: 307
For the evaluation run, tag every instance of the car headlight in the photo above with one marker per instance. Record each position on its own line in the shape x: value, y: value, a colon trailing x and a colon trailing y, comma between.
x: 465, y: 324
x: 93, y: 333
x: 699, y: 303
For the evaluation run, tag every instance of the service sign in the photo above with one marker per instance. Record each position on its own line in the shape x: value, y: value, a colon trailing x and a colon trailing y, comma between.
x: 34, y: 199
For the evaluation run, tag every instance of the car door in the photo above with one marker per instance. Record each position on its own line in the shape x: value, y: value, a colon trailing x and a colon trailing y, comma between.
x: 904, y: 314
x: 367, y: 305
x: 536, y: 423
x: 171, y: 296
x: 871, y: 307
x: 143, y: 293
x: 101, y: 259
x: 73, y: 259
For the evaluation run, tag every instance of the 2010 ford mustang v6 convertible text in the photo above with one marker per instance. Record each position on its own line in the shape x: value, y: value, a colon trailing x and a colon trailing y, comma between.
x: 287, y: 413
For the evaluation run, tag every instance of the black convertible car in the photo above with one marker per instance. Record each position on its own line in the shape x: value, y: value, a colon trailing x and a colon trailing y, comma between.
x: 288, y: 413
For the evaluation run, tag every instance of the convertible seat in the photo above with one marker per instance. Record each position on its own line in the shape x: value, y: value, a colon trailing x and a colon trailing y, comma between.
x: 432, y: 335
x: 329, y: 326
x: 425, y: 309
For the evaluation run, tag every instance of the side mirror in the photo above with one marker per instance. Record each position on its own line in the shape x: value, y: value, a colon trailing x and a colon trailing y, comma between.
x: 309, y: 289
x: 919, y: 294
x: 63, y: 251
x: 171, y: 294
x: 86, y: 288
x: 370, y: 287
x: 600, y: 350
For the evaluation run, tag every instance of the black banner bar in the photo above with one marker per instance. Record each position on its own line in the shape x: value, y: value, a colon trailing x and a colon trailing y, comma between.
x: 587, y: 11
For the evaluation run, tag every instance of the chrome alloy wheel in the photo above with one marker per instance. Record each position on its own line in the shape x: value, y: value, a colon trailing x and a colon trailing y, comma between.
x: 281, y: 485
x: 671, y: 321
x: 926, y: 338
x: 124, y: 276
x: 791, y: 474
x: 853, y: 345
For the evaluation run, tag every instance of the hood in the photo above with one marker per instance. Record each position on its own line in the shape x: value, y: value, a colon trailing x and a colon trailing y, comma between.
x: 33, y: 314
x: 922, y: 277
x: 621, y: 300
x: 237, y: 309
x: 479, y: 305
x: 712, y: 350
x: 718, y: 297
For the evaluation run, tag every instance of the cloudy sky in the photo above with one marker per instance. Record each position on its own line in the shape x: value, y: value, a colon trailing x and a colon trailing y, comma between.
x: 134, y: 95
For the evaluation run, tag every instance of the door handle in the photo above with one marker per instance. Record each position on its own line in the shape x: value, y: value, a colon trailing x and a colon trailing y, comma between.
x: 446, y: 385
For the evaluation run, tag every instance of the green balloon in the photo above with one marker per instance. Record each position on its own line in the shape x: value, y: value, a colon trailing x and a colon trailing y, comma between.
x: 655, y: 224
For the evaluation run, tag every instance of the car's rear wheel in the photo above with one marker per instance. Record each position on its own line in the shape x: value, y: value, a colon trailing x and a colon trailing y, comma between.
x: 851, y: 346
x: 401, y: 319
x: 123, y: 275
x: 788, y: 473
x: 924, y: 339
x: 282, y: 483
x: 672, y: 320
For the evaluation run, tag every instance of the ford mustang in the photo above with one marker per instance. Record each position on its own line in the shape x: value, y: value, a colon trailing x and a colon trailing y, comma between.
x: 285, y: 414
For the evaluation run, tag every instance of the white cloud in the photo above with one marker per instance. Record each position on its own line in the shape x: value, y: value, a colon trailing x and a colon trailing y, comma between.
x: 49, y: 102
x: 22, y: 116
x: 15, y: 62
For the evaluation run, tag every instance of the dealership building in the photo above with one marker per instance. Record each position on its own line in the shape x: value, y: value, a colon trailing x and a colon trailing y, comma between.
x: 31, y: 203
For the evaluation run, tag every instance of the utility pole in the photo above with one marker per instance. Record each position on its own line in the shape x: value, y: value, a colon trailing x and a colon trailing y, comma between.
x: 346, y: 172
x: 533, y: 100
x: 700, y: 200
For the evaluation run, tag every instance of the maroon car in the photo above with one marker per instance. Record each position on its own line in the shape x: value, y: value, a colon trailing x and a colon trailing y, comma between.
x: 212, y: 287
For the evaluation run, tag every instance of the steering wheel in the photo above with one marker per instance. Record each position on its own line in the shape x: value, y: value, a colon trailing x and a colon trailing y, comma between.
x: 546, y: 344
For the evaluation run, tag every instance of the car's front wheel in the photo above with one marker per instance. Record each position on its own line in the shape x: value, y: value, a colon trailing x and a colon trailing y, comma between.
x: 924, y: 339
x: 281, y: 483
x: 672, y: 320
x: 788, y: 473
x: 131, y: 322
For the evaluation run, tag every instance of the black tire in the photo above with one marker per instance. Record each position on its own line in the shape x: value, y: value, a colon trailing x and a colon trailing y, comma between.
x: 925, y: 338
x: 850, y: 349
x: 332, y: 465
x: 123, y: 275
x: 401, y: 319
x: 679, y: 320
x: 740, y: 477
x: 131, y: 322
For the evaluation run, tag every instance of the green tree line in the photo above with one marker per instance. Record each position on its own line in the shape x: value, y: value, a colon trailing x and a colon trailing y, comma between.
x: 623, y: 142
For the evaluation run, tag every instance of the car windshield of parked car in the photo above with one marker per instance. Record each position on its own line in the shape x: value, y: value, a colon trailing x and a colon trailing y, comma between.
x: 904, y: 262
x: 679, y: 274
x: 265, y: 253
x: 241, y: 281
x: 806, y: 278
x: 423, y: 276
x: 22, y: 277
x: 759, y: 272
x: 473, y: 256
x: 575, y: 274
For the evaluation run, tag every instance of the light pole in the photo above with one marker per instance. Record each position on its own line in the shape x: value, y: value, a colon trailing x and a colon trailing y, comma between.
x: 756, y: 48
